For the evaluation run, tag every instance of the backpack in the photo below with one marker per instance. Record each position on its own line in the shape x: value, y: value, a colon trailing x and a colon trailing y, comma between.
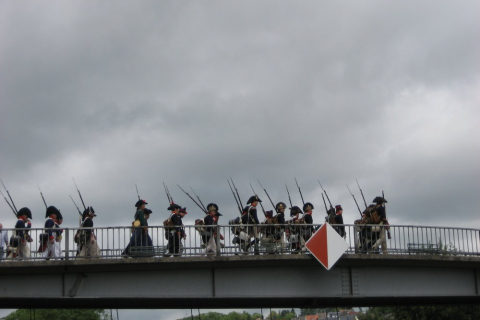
x: 237, y: 221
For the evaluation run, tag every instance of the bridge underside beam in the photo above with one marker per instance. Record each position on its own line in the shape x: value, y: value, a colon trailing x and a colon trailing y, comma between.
x: 227, y: 303
x: 246, y: 282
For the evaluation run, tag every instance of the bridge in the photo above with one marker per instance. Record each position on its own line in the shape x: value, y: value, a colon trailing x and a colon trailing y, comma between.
x: 424, y: 275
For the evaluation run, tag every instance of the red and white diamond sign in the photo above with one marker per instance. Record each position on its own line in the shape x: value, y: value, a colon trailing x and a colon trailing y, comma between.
x: 327, y: 246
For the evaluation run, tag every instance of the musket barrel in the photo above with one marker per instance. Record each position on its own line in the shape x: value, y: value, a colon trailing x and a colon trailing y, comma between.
x: 13, y: 203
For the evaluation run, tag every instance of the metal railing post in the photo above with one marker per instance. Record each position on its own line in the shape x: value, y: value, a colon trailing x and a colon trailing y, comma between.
x: 217, y: 236
x: 67, y: 243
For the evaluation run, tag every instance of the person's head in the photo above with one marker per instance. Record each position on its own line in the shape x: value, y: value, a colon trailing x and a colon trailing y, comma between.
x: 338, y: 209
x: 308, y: 207
x: 254, y: 200
x: 140, y: 204
x: 88, y: 212
x: 24, y: 214
x: 52, y: 213
x: 216, y: 216
x: 212, y: 208
x: 147, y: 213
x: 182, y: 212
x: 269, y: 214
x: 174, y: 208
x: 379, y: 200
x: 1, y: 226
x: 295, y: 211
x: 280, y: 207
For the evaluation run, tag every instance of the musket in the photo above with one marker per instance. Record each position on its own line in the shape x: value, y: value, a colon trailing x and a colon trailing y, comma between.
x: 84, y: 207
x: 238, y: 204
x: 299, y: 191
x: 170, y: 199
x: 261, y: 205
x: 13, y: 203
x: 137, y: 192
x: 79, y: 212
x: 289, y: 199
x: 236, y: 190
x: 331, y: 206
x: 266, y: 194
x: 360, y: 211
x: 8, y: 203
x: 192, y: 199
x: 41, y: 194
x: 361, y: 193
x: 204, y: 209
x: 325, y: 203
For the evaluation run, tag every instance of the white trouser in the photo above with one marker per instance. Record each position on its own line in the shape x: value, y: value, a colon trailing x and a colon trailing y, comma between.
x: 50, y: 252
x: 211, y: 246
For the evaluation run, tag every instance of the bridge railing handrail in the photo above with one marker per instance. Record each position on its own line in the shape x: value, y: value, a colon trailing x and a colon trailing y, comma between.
x: 257, y: 239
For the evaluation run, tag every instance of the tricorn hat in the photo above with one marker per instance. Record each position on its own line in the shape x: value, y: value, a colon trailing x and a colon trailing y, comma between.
x: 294, y: 210
x: 147, y: 211
x: 25, y: 212
x: 140, y: 202
x: 174, y: 206
x: 212, y: 205
x: 183, y: 210
x: 380, y: 200
x: 308, y: 206
x: 338, y: 208
x: 87, y: 212
x: 51, y: 210
x: 280, y: 205
x: 218, y: 214
x: 253, y: 199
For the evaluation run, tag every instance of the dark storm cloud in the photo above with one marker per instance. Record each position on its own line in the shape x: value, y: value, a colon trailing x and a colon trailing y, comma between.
x: 117, y: 94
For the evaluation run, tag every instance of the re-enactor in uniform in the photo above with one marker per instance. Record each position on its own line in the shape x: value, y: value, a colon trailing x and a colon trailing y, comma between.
x: 19, y: 241
x: 52, y: 233
x: 383, y: 222
x: 88, y: 240
x: 250, y: 219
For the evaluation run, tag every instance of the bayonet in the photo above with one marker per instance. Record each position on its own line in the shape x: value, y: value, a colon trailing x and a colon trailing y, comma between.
x: 8, y: 203
x: 355, y: 200
x: 361, y: 193
x: 192, y: 199
x: 204, y: 209
x: 236, y: 190
x: 289, y: 199
x: 331, y: 206
x: 84, y: 207
x: 41, y: 194
x: 138, y: 195
x: 266, y: 194
x: 238, y: 204
x: 299, y: 190
x: 13, y: 203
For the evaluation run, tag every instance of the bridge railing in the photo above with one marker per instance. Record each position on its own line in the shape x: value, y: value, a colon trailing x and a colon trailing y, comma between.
x: 224, y: 240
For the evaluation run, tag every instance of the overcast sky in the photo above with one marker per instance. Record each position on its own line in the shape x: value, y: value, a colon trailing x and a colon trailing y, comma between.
x: 118, y: 93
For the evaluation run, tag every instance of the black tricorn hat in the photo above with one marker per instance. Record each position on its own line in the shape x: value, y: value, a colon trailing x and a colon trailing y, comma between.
x: 174, y: 206
x: 338, y: 208
x: 380, y: 200
x: 253, y: 199
x: 218, y: 214
x: 25, y: 212
x: 87, y: 211
x: 308, y: 206
x: 140, y: 202
x: 183, y: 210
x: 210, y: 205
x: 51, y: 210
x: 280, y: 205
x: 147, y: 211
x: 294, y: 210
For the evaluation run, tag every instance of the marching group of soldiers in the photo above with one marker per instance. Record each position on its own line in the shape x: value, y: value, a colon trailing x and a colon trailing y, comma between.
x: 274, y: 233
